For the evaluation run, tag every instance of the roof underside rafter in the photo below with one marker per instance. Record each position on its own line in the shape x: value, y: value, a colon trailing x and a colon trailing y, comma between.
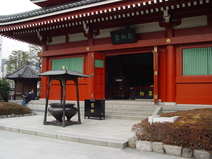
x: 120, y: 12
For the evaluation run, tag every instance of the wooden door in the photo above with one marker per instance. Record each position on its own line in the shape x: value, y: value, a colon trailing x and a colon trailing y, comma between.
x: 99, y: 75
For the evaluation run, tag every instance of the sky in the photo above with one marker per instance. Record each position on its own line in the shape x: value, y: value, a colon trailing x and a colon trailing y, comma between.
x: 8, y: 7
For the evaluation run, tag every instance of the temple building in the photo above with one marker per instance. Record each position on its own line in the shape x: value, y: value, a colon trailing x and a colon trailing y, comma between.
x: 26, y: 80
x: 136, y: 49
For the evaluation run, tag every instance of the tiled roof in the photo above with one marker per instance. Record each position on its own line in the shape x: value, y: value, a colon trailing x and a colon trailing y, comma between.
x: 47, y: 10
x: 64, y: 72
x: 24, y: 72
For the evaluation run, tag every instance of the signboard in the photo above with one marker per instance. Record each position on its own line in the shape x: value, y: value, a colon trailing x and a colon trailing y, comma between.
x: 123, y: 36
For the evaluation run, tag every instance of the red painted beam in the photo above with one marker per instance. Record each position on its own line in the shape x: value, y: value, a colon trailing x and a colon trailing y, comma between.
x: 139, y: 44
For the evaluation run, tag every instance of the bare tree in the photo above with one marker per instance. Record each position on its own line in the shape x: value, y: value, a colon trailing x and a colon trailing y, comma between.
x: 33, y: 51
x: 19, y: 58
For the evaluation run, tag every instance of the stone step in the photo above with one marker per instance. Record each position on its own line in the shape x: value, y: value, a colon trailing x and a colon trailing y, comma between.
x: 130, y: 110
x: 121, y: 115
x: 125, y: 113
x: 132, y: 107
x: 94, y: 132
x: 114, y: 109
x: 119, y: 109
x: 124, y: 117
x: 109, y: 108
x: 149, y: 101
x: 41, y: 106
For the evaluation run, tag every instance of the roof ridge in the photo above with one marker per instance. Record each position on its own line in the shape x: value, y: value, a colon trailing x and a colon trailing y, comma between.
x: 24, y: 72
x: 15, y: 70
x: 33, y: 70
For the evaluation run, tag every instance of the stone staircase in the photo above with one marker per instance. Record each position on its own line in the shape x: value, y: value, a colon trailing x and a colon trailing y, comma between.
x: 114, y: 109
x: 129, y: 109
x: 120, y: 109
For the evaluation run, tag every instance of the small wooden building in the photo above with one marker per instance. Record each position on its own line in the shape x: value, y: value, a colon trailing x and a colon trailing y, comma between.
x: 26, y: 79
x: 137, y: 49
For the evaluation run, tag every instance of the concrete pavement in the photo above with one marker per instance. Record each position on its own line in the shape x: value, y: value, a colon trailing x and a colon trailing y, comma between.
x: 110, y: 132
x: 22, y: 146
x: 26, y: 137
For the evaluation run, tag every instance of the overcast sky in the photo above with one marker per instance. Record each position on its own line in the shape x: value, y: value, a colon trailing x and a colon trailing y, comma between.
x: 8, y: 7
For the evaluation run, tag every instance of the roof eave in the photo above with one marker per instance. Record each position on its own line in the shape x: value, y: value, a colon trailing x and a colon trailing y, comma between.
x: 59, y: 12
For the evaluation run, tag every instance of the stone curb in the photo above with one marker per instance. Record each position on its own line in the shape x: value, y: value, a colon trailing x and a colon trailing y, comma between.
x: 71, y: 138
x: 19, y: 115
x: 173, y: 150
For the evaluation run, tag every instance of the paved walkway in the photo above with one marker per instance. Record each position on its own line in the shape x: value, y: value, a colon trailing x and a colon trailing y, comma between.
x: 26, y: 137
x: 23, y: 146
x: 110, y: 132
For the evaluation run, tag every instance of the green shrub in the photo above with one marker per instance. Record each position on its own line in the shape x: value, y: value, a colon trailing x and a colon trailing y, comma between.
x: 13, y: 108
x: 4, y: 89
x: 193, y: 129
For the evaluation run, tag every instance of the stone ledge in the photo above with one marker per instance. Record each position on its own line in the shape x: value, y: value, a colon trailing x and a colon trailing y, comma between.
x: 143, y: 145
x: 19, y: 115
x: 157, y: 147
x: 131, y: 142
x: 173, y: 150
x: 201, y: 154
x: 187, y: 152
x: 120, y: 144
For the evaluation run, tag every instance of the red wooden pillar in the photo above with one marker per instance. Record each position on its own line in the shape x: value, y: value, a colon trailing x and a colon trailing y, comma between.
x: 155, y: 55
x: 170, y: 68
x: 96, y: 84
x: 44, y: 81
x: 90, y: 70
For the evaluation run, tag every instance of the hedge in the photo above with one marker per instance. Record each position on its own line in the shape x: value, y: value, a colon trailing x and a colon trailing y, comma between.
x: 193, y: 129
x: 13, y: 108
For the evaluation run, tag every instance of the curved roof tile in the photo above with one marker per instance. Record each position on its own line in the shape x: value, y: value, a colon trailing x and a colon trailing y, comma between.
x: 23, y: 72
x: 43, y: 11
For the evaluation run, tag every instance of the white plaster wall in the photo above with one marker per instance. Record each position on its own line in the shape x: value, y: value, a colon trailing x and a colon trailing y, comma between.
x: 193, y: 22
x: 58, y: 40
x: 77, y: 37
x: 140, y: 28
x: 148, y: 27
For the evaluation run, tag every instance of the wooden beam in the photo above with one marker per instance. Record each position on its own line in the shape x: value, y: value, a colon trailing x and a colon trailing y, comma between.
x: 140, y: 44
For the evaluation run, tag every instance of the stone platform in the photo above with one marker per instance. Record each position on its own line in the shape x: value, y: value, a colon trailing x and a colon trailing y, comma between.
x: 110, y: 132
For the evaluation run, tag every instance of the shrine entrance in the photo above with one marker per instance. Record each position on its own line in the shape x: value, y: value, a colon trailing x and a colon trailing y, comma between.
x: 130, y: 76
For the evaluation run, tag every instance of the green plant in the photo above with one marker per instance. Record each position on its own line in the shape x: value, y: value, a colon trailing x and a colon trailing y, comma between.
x: 4, y: 88
x: 193, y: 129
x: 13, y: 108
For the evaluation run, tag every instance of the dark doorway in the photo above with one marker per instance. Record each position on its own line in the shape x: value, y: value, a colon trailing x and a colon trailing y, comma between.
x: 129, y: 76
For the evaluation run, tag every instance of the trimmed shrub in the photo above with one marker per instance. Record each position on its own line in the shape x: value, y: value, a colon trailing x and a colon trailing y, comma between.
x: 193, y: 129
x: 4, y: 89
x: 13, y: 108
